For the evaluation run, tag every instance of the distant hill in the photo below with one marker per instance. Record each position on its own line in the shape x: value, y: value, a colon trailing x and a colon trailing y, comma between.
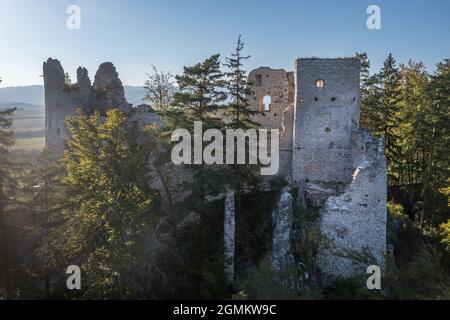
x: 26, y: 94
x: 134, y: 94
x: 34, y: 95
x: 20, y: 106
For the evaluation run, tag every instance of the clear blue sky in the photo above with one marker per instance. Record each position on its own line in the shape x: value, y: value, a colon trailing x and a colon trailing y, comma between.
x: 170, y: 34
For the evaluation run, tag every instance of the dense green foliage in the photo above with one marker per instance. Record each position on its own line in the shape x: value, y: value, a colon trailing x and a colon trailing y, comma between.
x: 95, y: 207
x: 410, y: 108
x: 201, y: 92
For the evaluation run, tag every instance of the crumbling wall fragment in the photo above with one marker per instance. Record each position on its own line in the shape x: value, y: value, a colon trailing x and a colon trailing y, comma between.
x: 277, y: 87
x: 61, y: 99
x: 355, y: 221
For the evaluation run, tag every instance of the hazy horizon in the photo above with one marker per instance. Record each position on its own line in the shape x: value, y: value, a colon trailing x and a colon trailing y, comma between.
x: 34, y: 94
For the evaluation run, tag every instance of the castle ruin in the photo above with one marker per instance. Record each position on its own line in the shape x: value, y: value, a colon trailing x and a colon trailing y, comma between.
x: 338, y: 168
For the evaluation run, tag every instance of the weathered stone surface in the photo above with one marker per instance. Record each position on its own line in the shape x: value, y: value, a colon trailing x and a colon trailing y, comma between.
x: 282, y: 215
x: 324, y: 120
x: 83, y: 78
x: 229, y: 231
x: 355, y: 221
x: 61, y: 100
x: 109, y: 89
x: 279, y: 86
x: 340, y: 168
x: 59, y: 104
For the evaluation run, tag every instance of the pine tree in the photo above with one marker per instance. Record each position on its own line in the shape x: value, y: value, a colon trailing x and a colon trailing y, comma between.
x: 238, y: 86
x: 200, y: 97
x: 390, y: 97
x: 422, y: 165
x: 239, y: 115
x: 364, y: 85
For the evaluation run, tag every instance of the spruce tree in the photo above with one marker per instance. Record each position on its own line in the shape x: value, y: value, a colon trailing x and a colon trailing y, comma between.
x: 239, y: 115
x: 390, y: 96
x: 380, y: 101
x: 414, y: 81
x: 436, y: 127
x: 238, y: 86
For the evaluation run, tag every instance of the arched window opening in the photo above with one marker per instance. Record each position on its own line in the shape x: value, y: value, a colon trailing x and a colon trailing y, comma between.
x: 266, y: 103
x: 320, y: 83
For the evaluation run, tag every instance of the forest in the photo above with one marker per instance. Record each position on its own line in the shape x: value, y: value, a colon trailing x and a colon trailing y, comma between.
x: 95, y: 208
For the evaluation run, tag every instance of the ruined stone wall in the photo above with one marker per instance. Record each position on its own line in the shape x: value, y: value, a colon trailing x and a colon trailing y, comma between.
x: 61, y: 99
x: 355, y: 221
x: 272, y: 93
x: 324, y: 120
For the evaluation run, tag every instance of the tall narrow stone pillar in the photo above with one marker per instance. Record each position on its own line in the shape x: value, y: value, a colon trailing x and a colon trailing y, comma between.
x: 282, y: 217
x: 229, y: 231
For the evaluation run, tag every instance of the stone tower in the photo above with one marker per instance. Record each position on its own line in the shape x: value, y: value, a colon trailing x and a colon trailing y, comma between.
x: 339, y: 168
x: 326, y: 114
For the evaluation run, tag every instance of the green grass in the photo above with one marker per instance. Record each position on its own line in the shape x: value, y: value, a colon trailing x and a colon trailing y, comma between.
x: 28, y: 125
x: 29, y: 143
x: 28, y: 120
